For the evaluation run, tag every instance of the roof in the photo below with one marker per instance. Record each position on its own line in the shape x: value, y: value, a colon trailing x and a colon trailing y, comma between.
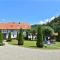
x: 13, y: 26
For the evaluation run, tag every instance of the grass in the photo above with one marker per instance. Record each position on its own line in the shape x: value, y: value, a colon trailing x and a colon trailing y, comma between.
x: 32, y: 44
x: 27, y: 43
x: 53, y: 46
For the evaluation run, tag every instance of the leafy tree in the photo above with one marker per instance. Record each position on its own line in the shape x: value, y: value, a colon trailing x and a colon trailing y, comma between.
x: 20, y: 37
x: 58, y: 30
x: 27, y: 33
x: 1, y: 38
x: 9, y: 37
x: 54, y: 23
x: 39, y: 37
x: 47, y: 31
x: 34, y: 27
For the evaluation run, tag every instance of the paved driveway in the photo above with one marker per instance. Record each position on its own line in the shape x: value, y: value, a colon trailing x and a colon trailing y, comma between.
x: 10, y: 52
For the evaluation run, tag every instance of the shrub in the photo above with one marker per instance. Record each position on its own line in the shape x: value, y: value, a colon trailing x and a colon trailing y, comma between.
x: 39, y: 37
x: 26, y: 35
x: 9, y: 37
x: 1, y: 38
x: 17, y: 36
x: 58, y: 37
x: 58, y: 30
x: 20, y: 37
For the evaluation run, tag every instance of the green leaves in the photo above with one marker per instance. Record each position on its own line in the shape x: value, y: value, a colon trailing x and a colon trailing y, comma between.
x: 47, y: 31
x: 1, y: 38
x: 20, y: 37
x: 9, y: 37
x: 39, y: 37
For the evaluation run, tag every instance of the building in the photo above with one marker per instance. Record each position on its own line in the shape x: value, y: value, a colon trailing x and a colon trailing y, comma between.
x: 13, y: 28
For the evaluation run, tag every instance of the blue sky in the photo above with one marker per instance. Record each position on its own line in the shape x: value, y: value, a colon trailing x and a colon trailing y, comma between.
x: 30, y: 11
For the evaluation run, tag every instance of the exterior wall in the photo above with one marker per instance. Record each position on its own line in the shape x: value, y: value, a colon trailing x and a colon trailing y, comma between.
x: 13, y: 33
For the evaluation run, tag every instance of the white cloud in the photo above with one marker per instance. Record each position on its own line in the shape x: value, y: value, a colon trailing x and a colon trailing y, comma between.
x: 46, y: 20
x: 52, y: 18
x: 43, y: 21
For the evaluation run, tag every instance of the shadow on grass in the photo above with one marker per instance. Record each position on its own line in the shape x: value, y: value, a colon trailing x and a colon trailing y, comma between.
x: 30, y: 40
x: 32, y: 46
x: 14, y: 44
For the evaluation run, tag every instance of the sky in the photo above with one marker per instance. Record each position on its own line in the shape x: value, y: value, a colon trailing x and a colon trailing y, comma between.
x: 29, y: 11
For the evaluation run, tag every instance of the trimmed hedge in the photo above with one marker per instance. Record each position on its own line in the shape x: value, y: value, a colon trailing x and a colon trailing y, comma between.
x: 9, y: 37
x: 20, y: 37
x: 39, y: 37
x: 1, y: 38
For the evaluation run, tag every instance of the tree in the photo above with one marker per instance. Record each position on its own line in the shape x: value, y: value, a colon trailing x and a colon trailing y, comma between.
x: 54, y: 23
x: 9, y: 37
x: 47, y: 31
x: 20, y: 37
x: 39, y: 37
x: 26, y: 35
x: 33, y: 34
x: 17, y: 36
x: 58, y: 30
x: 1, y: 38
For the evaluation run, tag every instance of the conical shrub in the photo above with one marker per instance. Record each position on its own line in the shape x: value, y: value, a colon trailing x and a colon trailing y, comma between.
x: 1, y: 38
x: 39, y: 37
x: 20, y: 37
x: 9, y: 37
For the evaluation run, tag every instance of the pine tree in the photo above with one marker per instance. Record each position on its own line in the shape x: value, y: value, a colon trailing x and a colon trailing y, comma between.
x: 9, y: 37
x: 20, y: 37
x: 39, y: 37
x: 1, y: 38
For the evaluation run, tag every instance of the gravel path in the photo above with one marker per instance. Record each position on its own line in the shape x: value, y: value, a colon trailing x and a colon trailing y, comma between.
x: 10, y: 52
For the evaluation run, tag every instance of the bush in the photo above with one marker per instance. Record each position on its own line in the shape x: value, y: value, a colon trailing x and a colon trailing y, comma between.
x: 58, y: 37
x: 17, y: 36
x: 1, y: 38
x: 39, y: 37
x: 58, y: 30
x: 9, y: 37
x: 20, y: 37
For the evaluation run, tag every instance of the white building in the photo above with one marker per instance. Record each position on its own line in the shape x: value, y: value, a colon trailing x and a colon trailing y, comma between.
x: 13, y: 28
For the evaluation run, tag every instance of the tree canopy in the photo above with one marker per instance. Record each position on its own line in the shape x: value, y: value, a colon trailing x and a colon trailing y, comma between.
x: 55, y: 23
x: 47, y: 30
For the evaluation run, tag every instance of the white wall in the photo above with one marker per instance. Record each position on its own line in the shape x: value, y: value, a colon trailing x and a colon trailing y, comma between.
x: 13, y: 33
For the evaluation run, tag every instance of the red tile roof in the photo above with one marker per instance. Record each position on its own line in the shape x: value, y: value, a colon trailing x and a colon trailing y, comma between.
x: 12, y: 26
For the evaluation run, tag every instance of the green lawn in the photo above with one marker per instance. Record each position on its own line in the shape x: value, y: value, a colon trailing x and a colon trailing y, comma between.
x: 27, y: 43
x: 32, y: 44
